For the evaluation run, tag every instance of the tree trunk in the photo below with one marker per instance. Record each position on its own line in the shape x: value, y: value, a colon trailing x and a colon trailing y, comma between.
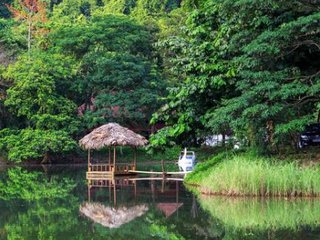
x: 223, y: 139
x: 29, y: 34
x: 270, y: 130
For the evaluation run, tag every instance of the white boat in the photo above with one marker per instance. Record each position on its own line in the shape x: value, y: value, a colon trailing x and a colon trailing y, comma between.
x: 187, y: 160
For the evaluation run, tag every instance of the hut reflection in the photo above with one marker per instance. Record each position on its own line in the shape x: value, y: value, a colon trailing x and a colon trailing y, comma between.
x: 130, y: 197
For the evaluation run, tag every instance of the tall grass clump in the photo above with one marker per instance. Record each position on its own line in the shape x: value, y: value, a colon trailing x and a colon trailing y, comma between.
x: 255, y: 176
x: 203, y: 170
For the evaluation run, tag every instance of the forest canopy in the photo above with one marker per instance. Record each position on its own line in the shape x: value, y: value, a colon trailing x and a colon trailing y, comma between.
x: 70, y: 66
x: 253, y: 71
x: 198, y: 68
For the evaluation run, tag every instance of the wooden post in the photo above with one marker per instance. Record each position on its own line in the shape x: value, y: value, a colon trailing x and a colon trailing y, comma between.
x: 163, y: 169
x: 162, y: 187
x: 177, y: 192
x: 110, y: 193
x: 135, y: 159
x: 177, y: 196
x: 135, y: 189
x: 152, y: 190
x: 114, y: 158
x: 89, y: 192
x: 89, y: 160
x: 109, y: 158
x: 114, y: 194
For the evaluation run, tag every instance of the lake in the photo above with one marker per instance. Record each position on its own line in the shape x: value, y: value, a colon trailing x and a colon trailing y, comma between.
x: 58, y: 203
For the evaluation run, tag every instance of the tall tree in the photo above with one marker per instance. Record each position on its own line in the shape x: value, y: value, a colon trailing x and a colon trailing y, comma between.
x: 118, y: 80
x: 254, y: 70
x: 38, y: 96
x: 33, y: 13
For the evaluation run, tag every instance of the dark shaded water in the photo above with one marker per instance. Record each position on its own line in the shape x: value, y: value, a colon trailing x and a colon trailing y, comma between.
x: 45, y: 204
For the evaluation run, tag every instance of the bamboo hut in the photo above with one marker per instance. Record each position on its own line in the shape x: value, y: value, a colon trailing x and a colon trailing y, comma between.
x: 111, y: 217
x: 110, y: 136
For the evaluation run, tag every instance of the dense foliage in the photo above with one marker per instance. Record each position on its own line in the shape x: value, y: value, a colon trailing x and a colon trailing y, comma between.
x: 254, y: 71
x: 118, y: 79
x: 69, y: 66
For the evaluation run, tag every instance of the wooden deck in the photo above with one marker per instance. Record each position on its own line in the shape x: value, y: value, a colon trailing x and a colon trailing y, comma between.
x: 108, y: 171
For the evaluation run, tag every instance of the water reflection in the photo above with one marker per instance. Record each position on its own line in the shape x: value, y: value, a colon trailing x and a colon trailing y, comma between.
x: 37, y: 204
x: 255, y: 218
x: 145, y: 191
x: 165, y: 208
x: 112, y: 217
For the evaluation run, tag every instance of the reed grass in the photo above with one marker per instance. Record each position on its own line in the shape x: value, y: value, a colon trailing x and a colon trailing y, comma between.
x: 244, y: 175
x: 203, y: 169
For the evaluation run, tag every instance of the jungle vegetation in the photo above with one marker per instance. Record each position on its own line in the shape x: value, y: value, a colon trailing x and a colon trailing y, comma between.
x: 250, y: 68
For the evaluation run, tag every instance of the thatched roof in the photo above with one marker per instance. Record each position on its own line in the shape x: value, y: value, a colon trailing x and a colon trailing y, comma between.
x: 112, y: 134
x: 111, y: 217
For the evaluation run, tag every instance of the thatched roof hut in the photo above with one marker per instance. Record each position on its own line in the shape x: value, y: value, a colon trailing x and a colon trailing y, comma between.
x: 112, y: 134
x: 111, y: 217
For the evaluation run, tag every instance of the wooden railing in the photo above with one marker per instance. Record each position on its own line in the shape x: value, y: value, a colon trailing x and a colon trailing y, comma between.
x: 124, y: 182
x: 100, y: 175
x: 100, y: 168
x: 120, y: 168
x: 125, y: 168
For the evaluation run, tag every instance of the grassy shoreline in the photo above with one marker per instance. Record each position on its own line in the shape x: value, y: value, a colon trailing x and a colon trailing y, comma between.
x: 248, y: 175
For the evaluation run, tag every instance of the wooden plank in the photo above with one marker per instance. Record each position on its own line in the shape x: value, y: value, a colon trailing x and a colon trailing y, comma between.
x: 159, y: 173
x: 158, y: 179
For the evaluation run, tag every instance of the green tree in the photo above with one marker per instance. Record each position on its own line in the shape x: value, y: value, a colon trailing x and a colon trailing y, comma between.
x: 118, y: 78
x: 95, y: 56
x: 253, y: 70
x: 195, y: 69
x: 277, y: 74
x: 39, y: 97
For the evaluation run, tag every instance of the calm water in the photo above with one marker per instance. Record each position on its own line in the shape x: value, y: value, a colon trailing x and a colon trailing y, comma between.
x: 45, y: 204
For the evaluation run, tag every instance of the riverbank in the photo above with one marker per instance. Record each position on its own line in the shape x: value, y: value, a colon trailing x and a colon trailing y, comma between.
x: 249, y: 175
x: 124, y: 154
